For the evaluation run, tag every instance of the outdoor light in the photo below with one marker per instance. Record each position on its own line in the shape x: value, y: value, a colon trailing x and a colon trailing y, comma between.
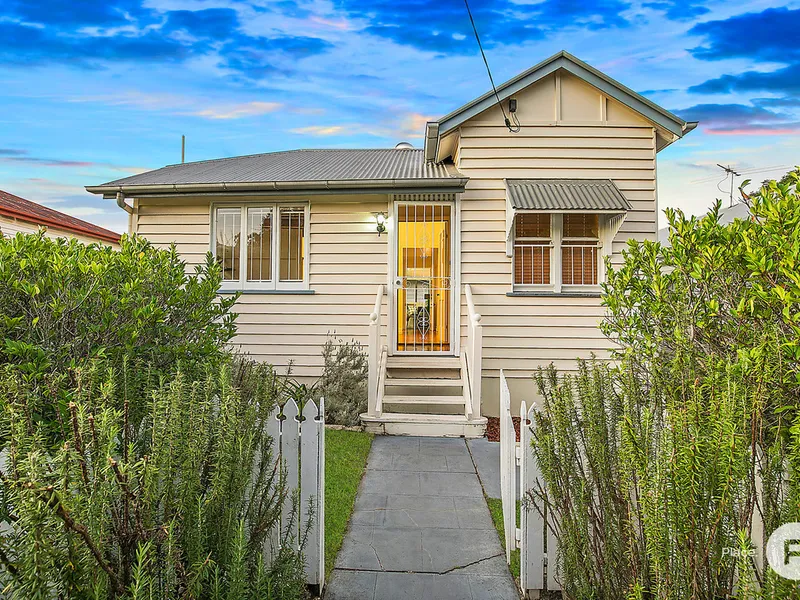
x: 380, y: 219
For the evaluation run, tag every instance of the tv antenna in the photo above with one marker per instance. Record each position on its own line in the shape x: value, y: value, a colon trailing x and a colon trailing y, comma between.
x: 729, y: 172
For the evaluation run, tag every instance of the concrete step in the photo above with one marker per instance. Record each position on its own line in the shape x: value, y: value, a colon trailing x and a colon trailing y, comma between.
x: 423, y: 362
x: 423, y: 399
x: 425, y: 425
x: 423, y: 382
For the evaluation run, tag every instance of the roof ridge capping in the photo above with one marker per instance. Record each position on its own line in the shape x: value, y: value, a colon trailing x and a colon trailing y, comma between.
x: 561, y: 60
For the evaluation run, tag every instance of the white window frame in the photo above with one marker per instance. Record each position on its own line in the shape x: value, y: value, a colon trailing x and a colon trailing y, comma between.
x: 273, y: 284
x: 556, y: 236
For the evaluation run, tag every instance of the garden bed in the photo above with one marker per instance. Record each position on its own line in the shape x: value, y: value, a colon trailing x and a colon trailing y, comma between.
x: 493, y: 428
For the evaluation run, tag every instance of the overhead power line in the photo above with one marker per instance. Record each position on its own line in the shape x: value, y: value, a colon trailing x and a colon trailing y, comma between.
x: 516, y: 127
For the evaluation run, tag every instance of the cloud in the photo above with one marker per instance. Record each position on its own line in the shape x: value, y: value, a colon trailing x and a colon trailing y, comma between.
x: 101, y: 33
x: 740, y: 119
x: 321, y: 130
x: 785, y: 80
x: 83, y: 211
x: 678, y: 10
x: 17, y: 156
x: 771, y: 35
x: 444, y: 27
x: 239, y: 111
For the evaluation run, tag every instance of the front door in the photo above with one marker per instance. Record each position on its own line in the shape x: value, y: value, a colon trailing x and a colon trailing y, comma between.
x: 423, y: 284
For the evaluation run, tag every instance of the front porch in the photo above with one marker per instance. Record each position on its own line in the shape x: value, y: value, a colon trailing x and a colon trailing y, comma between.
x: 424, y: 393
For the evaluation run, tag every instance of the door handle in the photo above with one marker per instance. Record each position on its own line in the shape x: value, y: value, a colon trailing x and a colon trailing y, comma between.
x: 398, y: 282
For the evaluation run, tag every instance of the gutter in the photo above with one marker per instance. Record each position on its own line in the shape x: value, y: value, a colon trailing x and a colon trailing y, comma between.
x: 689, y: 126
x: 450, y: 184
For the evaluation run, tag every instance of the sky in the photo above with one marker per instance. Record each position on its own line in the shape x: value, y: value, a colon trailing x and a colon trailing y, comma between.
x: 96, y: 90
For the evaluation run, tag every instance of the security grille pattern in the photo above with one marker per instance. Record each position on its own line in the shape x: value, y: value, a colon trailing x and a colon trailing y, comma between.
x: 424, y: 286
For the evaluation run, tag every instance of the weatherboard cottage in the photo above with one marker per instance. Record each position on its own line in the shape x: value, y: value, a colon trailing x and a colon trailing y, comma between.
x: 480, y: 252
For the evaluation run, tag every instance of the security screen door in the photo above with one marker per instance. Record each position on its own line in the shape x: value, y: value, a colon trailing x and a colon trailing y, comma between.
x: 423, y: 286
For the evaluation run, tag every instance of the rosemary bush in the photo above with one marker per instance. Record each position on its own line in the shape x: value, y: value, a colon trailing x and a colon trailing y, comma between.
x: 344, y: 381
x: 657, y: 467
x: 175, y: 504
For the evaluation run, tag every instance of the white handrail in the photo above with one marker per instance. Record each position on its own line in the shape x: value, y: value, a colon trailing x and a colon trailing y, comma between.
x: 373, y: 353
x: 474, y: 351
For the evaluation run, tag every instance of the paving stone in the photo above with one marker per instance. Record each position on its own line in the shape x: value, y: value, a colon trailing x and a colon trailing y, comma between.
x: 447, y: 549
x: 351, y: 585
x: 418, y: 462
x: 492, y: 566
x: 401, y: 586
x: 357, y: 551
x: 443, y: 446
x: 473, y: 513
x: 390, y: 483
x: 449, y: 484
x: 460, y: 463
x: 409, y: 517
x: 487, y: 587
x: 398, y: 548
x: 448, y: 587
x: 486, y: 455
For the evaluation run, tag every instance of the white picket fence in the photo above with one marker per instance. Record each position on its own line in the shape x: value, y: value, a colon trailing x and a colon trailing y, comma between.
x: 536, y: 542
x: 299, y: 445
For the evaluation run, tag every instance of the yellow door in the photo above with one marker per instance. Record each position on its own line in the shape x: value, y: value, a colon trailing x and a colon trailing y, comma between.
x: 423, y: 287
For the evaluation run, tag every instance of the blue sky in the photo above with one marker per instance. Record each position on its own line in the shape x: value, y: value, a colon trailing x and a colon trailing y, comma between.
x: 99, y: 89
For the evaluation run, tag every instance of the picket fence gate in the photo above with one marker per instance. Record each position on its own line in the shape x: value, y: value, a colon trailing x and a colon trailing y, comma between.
x: 534, y: 539
x: 299, y: 446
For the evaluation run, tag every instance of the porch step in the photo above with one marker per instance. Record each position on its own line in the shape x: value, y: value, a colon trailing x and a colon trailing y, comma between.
x: 423, y: 362
x: 425, y: 425
x: 424, y: 382
x: 423, y: 399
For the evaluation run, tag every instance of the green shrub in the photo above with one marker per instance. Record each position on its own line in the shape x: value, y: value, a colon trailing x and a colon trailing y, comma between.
x: 63, y: 302
x: 658, y: 465
x: 178, y: 503
x: 344, y: 381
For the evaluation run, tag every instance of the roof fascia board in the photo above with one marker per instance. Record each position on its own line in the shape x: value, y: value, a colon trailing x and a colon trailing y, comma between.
x: 602, y: 82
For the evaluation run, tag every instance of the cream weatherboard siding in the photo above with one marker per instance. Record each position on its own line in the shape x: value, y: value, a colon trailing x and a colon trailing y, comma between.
x: 347, y: 262
x: 569, y: 130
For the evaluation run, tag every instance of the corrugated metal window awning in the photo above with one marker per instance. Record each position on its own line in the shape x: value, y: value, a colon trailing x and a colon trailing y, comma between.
x: 565, y: 196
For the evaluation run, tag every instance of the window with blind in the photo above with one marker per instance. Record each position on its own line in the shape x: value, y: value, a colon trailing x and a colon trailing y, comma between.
x: 580, y: 241
x: 271, y: 254
x: 532, y: 247
x: 555, y: 250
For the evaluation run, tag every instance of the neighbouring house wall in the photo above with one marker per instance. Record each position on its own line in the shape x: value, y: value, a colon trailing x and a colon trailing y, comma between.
x: 10, y: 227
x: 569, y: 130
x: 347, y: 263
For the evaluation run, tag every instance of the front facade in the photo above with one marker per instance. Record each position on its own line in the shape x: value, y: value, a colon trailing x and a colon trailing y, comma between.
x: 483, y: 251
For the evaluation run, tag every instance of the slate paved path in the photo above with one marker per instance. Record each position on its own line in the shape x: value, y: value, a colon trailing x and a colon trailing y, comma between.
x: 421, y: 528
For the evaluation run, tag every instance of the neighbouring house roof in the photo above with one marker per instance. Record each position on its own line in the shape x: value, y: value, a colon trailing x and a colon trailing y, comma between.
x: 24, y: 210
x: 334, y: 170
x: 562, y: 60
x: 566, y: 195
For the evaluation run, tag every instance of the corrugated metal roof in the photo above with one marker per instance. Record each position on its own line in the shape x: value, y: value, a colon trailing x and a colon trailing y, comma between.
x: 298, y: 166
x: 30, y: 212
x: 566, y: 194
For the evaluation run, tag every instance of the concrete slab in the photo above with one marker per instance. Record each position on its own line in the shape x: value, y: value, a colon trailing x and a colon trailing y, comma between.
x: 486, y: 456
x: 421, y: 528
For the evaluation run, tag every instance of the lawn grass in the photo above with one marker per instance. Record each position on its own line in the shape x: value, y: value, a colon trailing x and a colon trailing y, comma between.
x: 345, y: 460
x: 496, y: 509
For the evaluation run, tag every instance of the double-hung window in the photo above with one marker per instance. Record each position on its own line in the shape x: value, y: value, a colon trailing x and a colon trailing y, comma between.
x: 262, y: 247
x: 557, y: 251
